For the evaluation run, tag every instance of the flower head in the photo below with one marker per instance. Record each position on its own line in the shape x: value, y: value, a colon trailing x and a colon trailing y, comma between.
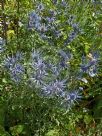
x: 71, y: 37
x: 15, y: 68
x: 37, y: 78
x: 54, y: 88
x: 34, y: 20
x: 9, y: 62
x: 70, y: 99
x: 65, y: 55
x: 89, y: 65
x: 40, y: 7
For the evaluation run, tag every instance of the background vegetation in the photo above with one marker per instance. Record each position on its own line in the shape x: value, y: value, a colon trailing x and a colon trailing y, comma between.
x: 50, y: 68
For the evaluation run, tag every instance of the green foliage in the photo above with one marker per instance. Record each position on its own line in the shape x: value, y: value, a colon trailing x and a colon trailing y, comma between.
x: 3, y: 132
x: 52, y: 133
x: 17, y: 130
x: 22, y: 111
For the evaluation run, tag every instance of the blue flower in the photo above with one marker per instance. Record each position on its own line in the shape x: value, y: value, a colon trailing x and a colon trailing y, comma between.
x: 52, y: 13
x: 59, y: 85
x: 74, y: 96
x: 64, y: 55
x: 85, y: 68
x: 71, y: 37
x: 34, y: 20
x: 70, y: 99
x: 17, y: 69
x: 37, y: 78
x: 40, y: 7
x: 75, y: 27
x: 92, y: 71
x: 57, y: 34
x: 54, y: 88
x: 42, y: 28
x: 39, y: 65
x: 37, y: 26
x: 72, y: 34
x: 50, y: 20
x: 90, y: 64
x: 63, y: 64
x: 65, y: 58
x: 9, y: 62
x: 55, y: 70
x: 17, y: 72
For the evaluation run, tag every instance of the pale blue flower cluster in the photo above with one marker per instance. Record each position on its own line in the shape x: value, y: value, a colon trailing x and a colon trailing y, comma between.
x: 49, y: 27
x: 43, y: 25
x: 34, y: 21
x: 89, y: 65
x: 74, y: 33
x: 14, y: 67
x: 37, y: 69
x: 55, y: 88
x: 46, y: 77
x: 70, y: 99
x: 51, y: 77
x: 64, y: 58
